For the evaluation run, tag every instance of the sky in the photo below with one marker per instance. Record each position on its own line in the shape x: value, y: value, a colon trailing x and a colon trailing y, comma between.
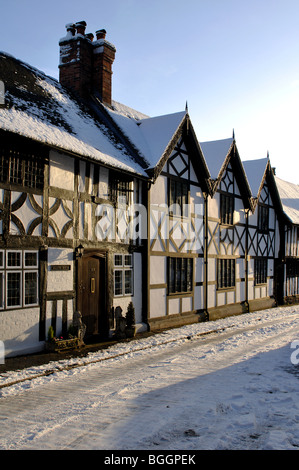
x: 235, y: 63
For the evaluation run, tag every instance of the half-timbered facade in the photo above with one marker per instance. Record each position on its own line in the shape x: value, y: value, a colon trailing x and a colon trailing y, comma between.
x: 101, y: 205
x: 288, y: 276
x: 176, y: 244
x: 228, y: 207
x: 68, y: 180
x: 263, y: 234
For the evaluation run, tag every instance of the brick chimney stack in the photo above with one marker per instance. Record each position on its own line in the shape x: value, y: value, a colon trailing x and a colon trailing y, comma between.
x: 86, y: 64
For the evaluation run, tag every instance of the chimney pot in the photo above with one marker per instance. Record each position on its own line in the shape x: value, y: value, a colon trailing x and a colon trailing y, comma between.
x: 90, y: 36
x: 101, y: 34
x: 80, y: 26
x: 70, y: 28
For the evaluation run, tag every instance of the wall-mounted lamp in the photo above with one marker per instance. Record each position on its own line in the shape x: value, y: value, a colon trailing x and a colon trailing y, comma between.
x: 80, y: 251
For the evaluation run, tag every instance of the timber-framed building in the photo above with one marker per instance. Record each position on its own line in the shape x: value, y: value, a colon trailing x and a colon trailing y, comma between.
x: 102, y: 205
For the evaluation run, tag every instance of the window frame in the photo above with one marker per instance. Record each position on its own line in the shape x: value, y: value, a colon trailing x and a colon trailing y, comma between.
x: 227, y: 209
x: 21, y: 268
x: 179, y: 275
x: 21, y: 168
x: 178, y: 197
x: 26, y: 271
x: 8, y: 272
x: 260, y: 271
x: 15, y: 266
x: 2, y: 290
x: 263, y: 218
x: 30, y: 266
x: 123, y: 268
x: 226, y: 275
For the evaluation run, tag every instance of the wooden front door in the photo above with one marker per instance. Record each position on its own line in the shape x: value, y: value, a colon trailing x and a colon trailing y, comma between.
x: 91, y: 295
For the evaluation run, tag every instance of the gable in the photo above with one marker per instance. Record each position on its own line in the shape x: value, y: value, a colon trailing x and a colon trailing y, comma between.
x: 39, y: 108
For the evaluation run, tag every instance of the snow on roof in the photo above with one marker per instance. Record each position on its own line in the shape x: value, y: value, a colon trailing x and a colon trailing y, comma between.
x: 38, y: 107
x: 127, y: 111
x: 255, y: 170
x: 289, y: 196
x: 158, y: 132
x: 150, y: 135
x: 215, y: 153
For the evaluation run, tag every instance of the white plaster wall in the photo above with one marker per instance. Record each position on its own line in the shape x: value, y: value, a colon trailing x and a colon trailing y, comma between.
x: 173, y: 306
x: 214, y: 206
x: 196, y: 200
x: 230, y: 297
x: 20, y: 331
x: 136, y: 298
x: 250, y: 290
x: 240, y: 292
x: 26, y: 214
x: 187, y: 304
x: 199, y: 269
x: 60, y: 280
x: 193, y: 176
x: 240, y: 268
x: 82, y: 172
x: 198, y: 298
x: 61, y: 170
x: 212, y: 269
x: 157, y: 302
x: 60, y: 217
x: 252, y: 219
x: 221, y: 298
x: 103, y: 183
x: 211, y: 296
x: 158, y: 269
x: 158, y: 192
x: 272, y: 218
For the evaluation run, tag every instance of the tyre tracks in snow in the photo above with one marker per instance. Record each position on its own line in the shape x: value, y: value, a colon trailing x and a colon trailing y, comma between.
x: 189, y: 342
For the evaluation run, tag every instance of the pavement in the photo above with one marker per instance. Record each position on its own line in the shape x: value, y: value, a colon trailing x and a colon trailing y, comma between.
x: 44, y: 357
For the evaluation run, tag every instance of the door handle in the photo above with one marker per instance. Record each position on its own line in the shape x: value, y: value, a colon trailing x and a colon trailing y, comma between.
x: 92, y: 285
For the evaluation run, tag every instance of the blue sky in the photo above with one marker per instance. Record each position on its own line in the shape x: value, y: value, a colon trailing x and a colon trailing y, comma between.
x: 235, y: 62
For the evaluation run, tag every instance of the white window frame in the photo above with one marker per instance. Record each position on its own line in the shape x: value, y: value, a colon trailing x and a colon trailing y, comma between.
x: 20, y: 269
x: 123, y: 267
x: 37, y: 299
x: 13, y: 271
x: 21, y: 257
x: 31, y: 266
x: 124, y: 282
x: 2, y: 301
x: 3, y: 259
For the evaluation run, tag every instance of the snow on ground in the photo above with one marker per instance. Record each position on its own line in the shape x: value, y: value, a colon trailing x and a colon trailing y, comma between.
x: 229, y: 384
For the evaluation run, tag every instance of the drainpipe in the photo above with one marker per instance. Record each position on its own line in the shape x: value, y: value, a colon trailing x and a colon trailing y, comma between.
x: 206, y: 275
x: 246, y: 261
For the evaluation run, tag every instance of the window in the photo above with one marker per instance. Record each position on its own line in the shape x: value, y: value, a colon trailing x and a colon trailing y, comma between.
x: 121, y: 190
x: 21, y: 168
x: 226, y: 273
x: 178, y: 197
x: 260, y: 270
x: 18, y: 278
x: 292, y: 267
x: 226, y: 209
x: 123, y: 275
x: 263, y: 218
x: 180, y: 275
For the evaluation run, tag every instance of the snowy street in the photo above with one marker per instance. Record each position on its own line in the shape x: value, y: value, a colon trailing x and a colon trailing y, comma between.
x: 229, y: 384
